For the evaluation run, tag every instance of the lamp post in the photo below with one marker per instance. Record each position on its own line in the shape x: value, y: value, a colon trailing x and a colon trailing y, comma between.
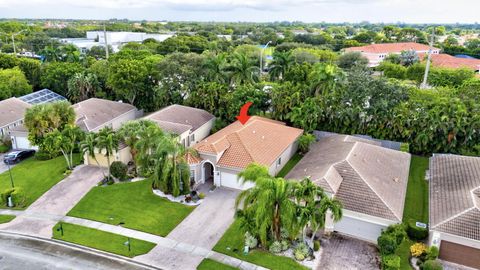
x: 261, y: 57
x: 13, y: 41
x: 10, y: 172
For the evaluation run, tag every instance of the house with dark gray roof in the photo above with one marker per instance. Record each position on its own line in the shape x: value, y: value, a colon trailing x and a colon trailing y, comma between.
x: 369, y: 180
x: 455, y: 208
x: 94, y: 114
x: 12, y: 112
x: 190, y: 124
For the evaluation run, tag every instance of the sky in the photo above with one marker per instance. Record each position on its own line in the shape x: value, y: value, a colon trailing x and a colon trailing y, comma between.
x: 387, y: 11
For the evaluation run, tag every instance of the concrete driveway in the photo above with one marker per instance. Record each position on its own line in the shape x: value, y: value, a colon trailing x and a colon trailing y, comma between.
x: 202, y: 228
x: 341, y: 252
x: 56, y: 202
x: 3, y: 166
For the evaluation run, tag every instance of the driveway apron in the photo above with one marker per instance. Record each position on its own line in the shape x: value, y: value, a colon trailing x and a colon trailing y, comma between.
x: 56, y: 202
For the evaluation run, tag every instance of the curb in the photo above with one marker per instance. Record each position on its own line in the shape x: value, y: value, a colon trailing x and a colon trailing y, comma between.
x: 89, y: 250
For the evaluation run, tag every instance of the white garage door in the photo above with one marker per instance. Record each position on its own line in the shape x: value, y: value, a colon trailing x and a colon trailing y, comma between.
x: 230, y: 180
x: 359, y: 228
x: 22, y: 143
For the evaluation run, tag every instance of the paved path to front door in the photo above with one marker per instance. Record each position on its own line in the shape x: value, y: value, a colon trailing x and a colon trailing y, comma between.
x: 55, y: 203
x: 202, y: 228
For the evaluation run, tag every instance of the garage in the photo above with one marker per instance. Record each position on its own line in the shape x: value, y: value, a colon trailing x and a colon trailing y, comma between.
x: 460, y: 254
x: 21, y: 142
x: 358, y: 228
x: 229, y: 180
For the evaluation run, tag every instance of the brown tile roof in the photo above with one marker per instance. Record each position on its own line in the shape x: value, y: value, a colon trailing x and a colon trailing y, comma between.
x: 391, y: 47
x: 178, y: 119
x: 364, y: 176
x: 94, y: 112
x: 260, y: 140
x: 448, y: 61
x: 12, y: 110
x: 454, y: 195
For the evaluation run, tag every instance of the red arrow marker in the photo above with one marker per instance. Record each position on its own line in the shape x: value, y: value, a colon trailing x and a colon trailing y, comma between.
x: 243, y: 116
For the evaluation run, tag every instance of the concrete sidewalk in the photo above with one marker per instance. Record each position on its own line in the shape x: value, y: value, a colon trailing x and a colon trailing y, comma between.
x: 46, y: 211
x: 169, y: 253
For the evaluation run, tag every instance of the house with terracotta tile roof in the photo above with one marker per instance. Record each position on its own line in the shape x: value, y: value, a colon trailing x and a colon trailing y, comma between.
x: 455, y: 208
x: 376, y: 53
x: 448, y: 61
x: 369, y: 180
x: 223, y: 155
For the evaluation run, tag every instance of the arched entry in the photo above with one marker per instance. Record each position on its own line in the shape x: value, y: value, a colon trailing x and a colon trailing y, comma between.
x: 208, y: 172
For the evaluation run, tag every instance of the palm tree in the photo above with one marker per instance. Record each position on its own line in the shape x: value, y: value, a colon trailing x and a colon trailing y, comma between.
x: 269, y: 203
x: 82, y: 86
x: 313, y: 207
x: 148, y: 141
x: 130, y: 133
x: 107, y: 142
x: 88, y: 146
x: 324, y: 78
x: 171, y: 172
x: 70, y: 53
x: 243, y: 70
x: 280, y: 64
x: 215, y: 65
x: 50, y: 53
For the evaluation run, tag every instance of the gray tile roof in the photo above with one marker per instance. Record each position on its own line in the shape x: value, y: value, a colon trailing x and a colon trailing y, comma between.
x: 94, y: 112
x: 178, y: 119
x: 455, y: 195
x: 12, y: 110
x: 364, y: 176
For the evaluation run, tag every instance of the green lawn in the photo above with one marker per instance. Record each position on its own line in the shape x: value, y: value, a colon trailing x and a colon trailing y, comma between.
x: 209, y: 264
x: 101, y: 240
x: 403, y: 251
x: 6, y: 218
x: 134, y: 204
x: 35, y: 177
x: 232, y: 243
x: 290, y: 164
x: 416, y: 204
x: 416, y: 201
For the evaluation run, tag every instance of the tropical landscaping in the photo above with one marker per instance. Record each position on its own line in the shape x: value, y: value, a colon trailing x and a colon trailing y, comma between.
x: 120, y: 204
x: 275, y: 217
x: 105, y: 241
x: 400, y: 242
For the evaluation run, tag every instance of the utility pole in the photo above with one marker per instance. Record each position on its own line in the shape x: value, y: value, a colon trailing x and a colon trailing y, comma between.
x: 13, y: 42
x: 261, y: 57
x: 105, y: 39
x: 424, y: 84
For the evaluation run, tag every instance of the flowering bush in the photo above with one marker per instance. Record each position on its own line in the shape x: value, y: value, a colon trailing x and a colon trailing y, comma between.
x: 418, y: 249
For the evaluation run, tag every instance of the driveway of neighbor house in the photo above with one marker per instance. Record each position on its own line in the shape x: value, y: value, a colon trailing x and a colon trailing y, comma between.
x: 341, y: 252
x: 202, y: 228
x: 3, y: 166
x: 56, y: 202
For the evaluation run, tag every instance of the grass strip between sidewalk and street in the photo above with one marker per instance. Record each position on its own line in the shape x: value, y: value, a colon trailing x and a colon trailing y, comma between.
x: 101, y: 240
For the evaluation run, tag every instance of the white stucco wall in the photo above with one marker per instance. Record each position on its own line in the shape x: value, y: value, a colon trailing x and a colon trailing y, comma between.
x: 202, y: 132
x: 362, y: 226
x: 5, y: 130
x: 285, y: 157
x: 122, y: 155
